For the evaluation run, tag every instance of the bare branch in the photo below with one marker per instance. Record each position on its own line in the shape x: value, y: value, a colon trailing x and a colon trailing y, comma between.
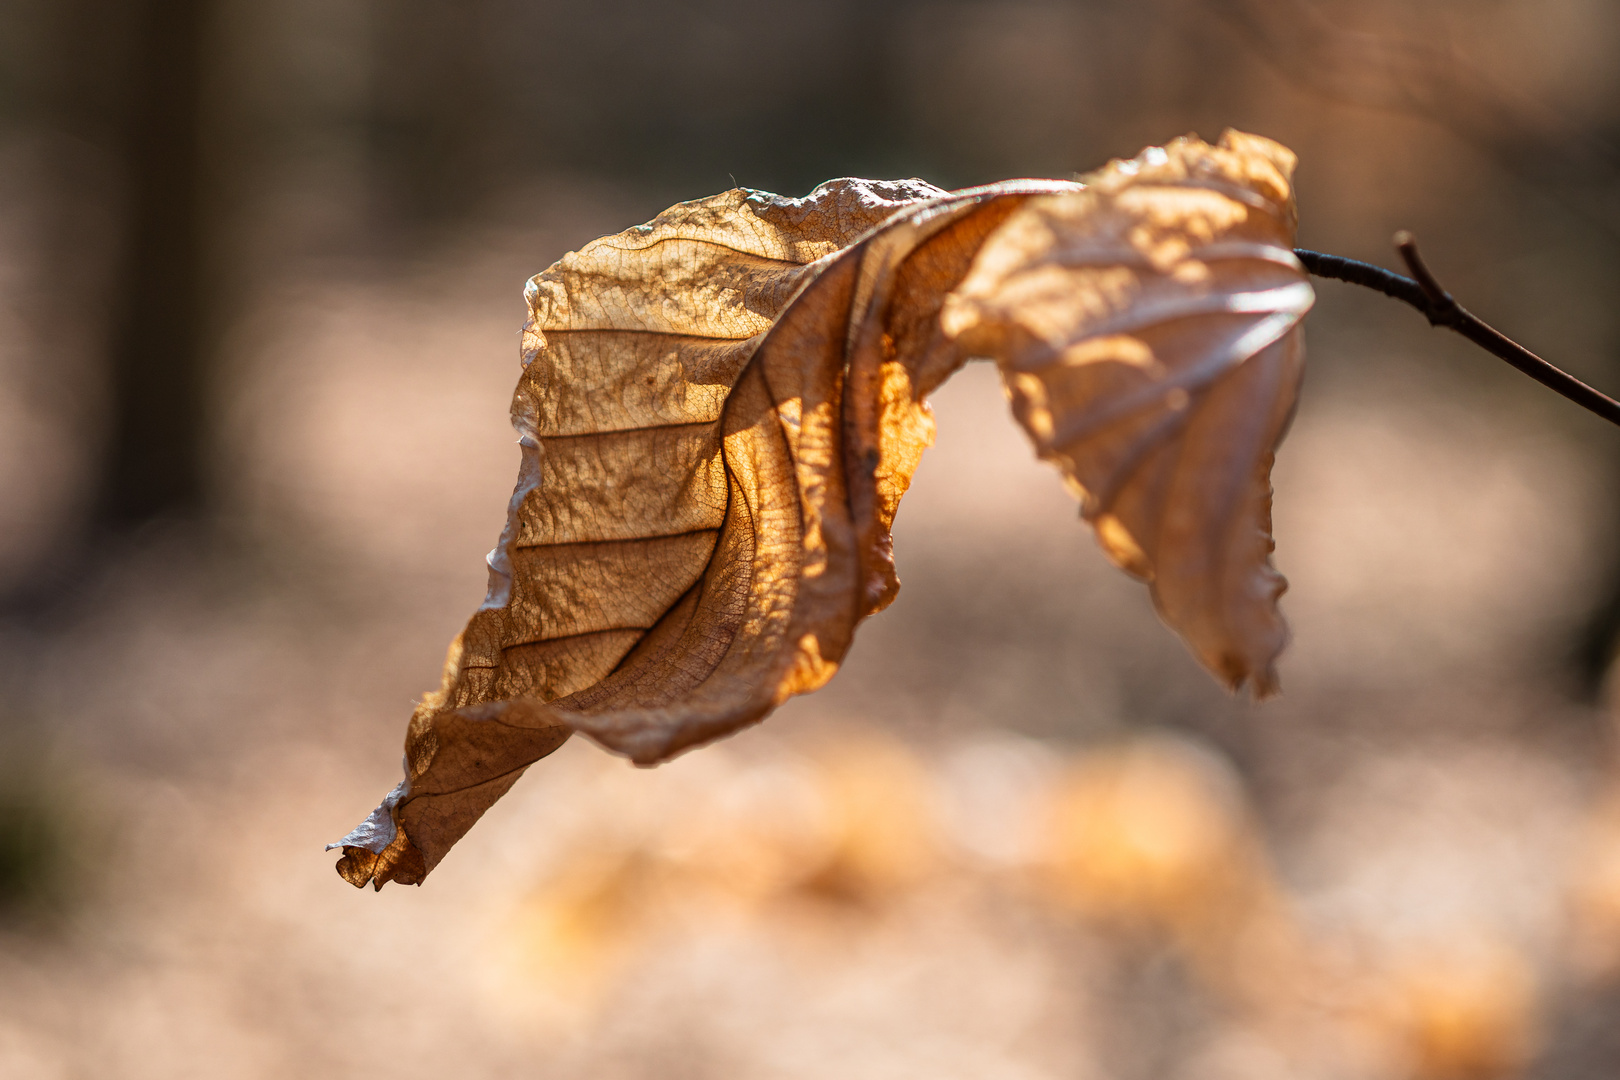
x: 1425, y: 293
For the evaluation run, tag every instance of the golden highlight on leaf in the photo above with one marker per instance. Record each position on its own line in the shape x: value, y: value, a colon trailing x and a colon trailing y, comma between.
x: 1148, y: 330
x: 720, y: 410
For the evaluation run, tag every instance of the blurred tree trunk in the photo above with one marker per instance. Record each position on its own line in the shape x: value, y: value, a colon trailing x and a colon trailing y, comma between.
x: 433, y: 103
x: 157, y: 434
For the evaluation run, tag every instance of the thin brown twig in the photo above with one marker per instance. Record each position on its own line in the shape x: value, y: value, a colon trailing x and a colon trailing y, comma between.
x: 1441, y: 303
x: 1424, y: 292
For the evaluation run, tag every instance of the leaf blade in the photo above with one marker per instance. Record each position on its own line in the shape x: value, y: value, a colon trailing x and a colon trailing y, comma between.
x: 1148, y: 332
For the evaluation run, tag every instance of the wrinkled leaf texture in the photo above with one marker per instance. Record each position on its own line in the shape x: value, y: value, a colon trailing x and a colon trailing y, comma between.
x: 720, y: 410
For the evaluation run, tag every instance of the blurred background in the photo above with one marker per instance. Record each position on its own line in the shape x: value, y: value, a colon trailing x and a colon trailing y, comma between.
x: 260, y: 291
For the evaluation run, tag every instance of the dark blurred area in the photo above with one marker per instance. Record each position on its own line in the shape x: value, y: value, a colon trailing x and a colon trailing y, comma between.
x: 260, y: 287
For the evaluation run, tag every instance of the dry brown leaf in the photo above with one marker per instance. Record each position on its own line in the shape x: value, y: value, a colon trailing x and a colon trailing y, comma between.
x: 720, y: 410
x: 1148, y: 334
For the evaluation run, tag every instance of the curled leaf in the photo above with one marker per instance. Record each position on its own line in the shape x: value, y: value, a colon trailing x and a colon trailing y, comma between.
x: 720, y: 410
x: 1148, y: 332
